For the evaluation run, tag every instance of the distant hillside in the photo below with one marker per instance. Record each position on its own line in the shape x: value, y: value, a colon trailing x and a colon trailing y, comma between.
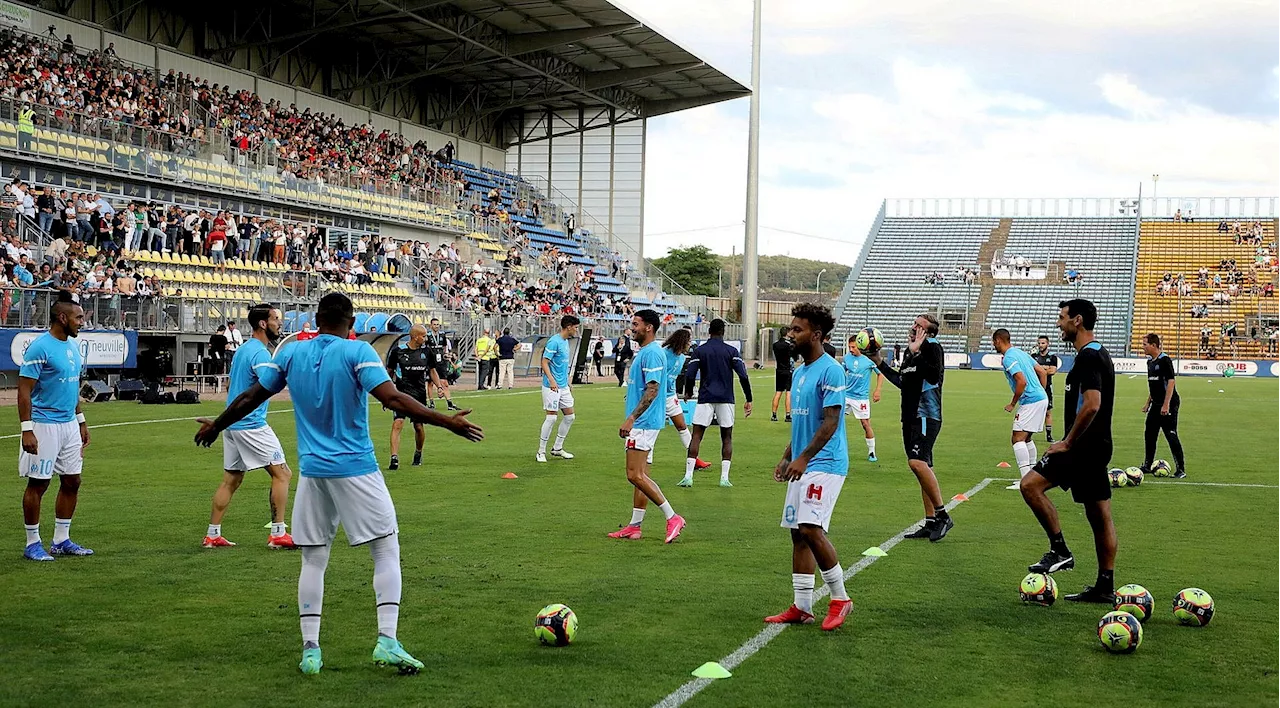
x: 793, y: 274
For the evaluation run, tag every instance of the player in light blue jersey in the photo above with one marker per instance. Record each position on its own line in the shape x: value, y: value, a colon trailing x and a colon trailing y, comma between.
x: 557, y: 394
x: 1027, y: 380
x: 646, y: 390
x: 814, y: 467
x: 330, y: 379
x: 675, y: 350
x: 858, y: 395
x: 251, y: 444
x: 54, y: 433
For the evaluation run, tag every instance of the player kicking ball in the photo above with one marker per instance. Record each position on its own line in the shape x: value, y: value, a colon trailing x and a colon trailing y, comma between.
x: 251, y: 444
x: 330, y: 379
x: 1027, y: 381
x: 814, y: 477
x: 54, y: 434
x: 645, y: 418
x: 858, y: 394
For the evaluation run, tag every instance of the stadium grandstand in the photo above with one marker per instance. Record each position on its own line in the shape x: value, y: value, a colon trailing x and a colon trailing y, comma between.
x: 476, y: 161
x: 1202, y: 272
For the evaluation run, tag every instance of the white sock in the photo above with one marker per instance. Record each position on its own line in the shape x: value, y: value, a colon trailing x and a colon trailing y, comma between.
x: 33, y: 533
x: 871, y: 446
x: 724, y: 470
x: 548, y: 422
x: 311, y: 591
x: 637, y: 517
x: 1020, y: 454
x: 834, y: 578
x: 803, y: 585
x: 1032, y: 455
x: 686, y: 437
x: 215, y: 530
x: 689, y: 464
x: 278, y: 529
x: 61, y: 530
x: 565, y: 423
x: 667, y: 511
x: 387, y: 583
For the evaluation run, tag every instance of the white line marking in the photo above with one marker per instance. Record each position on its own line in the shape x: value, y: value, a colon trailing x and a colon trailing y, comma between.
x: 1181, y: 484
x: 681, y: 695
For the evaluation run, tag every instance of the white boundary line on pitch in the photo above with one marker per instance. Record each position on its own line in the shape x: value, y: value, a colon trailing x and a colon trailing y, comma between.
x: 690, y: 689
x: 1184, y: 484
x: 280, y: 410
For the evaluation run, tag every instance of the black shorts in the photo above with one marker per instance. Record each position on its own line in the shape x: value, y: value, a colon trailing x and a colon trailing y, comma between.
x: 782, y: 381
x: 442, y: 371
x: 1083, y: 474
x: 918, y: 436
x: 419, y: 396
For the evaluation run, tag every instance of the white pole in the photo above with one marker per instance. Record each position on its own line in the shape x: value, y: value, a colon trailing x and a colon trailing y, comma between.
x: 750, y: 251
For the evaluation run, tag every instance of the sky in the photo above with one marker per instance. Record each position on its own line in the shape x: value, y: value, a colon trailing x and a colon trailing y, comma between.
x: 864, y: 100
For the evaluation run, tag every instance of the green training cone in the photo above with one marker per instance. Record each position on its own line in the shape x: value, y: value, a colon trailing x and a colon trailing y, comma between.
x: 711, y: 670
x: 874, y: 551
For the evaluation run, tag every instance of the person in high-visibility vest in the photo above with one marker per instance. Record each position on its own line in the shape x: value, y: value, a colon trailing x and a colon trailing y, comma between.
x: 26, y: 127
x: 485, y: 353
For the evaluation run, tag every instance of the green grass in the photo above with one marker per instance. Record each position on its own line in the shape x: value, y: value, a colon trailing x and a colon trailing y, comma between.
x: 153, y: 618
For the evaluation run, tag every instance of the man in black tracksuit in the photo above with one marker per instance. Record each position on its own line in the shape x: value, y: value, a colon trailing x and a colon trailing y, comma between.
x: 1162, y: 406
x: 408, y: 363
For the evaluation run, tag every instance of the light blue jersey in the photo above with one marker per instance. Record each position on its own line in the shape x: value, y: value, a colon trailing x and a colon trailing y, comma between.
x: 815, y: 387
x: 649, y: 365
x: 675, y: 366
x: 858, y: 370
x: 1017, y: 361
x: 329, y: 381
x: 55, y: 365
x: 557, y: 352
x: 246, y: 366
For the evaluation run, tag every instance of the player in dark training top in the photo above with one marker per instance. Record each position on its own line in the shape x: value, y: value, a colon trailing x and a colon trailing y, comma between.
x: 1162, y: 406
x: 783, y: 354
x: 409, y: 364
x: 1078, y: 462
x: 1049, y: 362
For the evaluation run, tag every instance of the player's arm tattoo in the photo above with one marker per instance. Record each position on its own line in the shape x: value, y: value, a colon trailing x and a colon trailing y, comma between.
x: 646, y: 399
x: 830, y: 422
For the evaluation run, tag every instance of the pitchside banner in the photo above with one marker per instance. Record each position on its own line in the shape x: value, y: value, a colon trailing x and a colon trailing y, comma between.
x: 101, y: 350
x: 1130, y: 366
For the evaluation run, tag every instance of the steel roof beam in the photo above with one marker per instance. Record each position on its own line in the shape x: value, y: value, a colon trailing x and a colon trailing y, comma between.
x: 615, y: 77
x: 537, y: 41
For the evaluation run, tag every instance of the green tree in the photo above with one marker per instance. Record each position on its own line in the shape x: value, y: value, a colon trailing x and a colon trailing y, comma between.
x: 696, y: 269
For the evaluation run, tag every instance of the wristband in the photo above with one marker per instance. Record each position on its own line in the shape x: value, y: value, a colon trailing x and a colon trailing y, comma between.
x: 79, y: 417
x: 28, y: 426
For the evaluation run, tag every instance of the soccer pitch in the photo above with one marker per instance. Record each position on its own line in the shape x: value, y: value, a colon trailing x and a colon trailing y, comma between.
x: 154, y: 618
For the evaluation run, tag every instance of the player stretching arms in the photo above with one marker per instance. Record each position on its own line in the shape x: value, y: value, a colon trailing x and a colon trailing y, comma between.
x: 330, y: 379
x: 1026, y: 380
x: 816, y: 474
x: 718, y: 362
x: 920, y: 379
x: 1162, y: 406
x: 1078, y: 462
x: 251, y: 444
x: 1049, y: 362
x: 556, y: 394
x: 408, y: 365
x: 54, y: 433
x: 437, y: 347
x: 676, y: 349
x: 858, y: 395
x: 645, y: 416
x: 783, y: 354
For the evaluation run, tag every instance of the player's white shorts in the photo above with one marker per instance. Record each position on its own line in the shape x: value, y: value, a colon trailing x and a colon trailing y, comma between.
x: 59, y: 452
x: 361, y: 504
x: 1030, y: 417
x: 811, y: 499
x: 642, y: 440
x: 557, y: 400
x: 707, y: 414
x: 673, y: 407
x: 860, y: 409
x: 244, y: 450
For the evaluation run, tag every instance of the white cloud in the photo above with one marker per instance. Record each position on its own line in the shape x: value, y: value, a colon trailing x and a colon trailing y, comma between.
x: 1120, y: 92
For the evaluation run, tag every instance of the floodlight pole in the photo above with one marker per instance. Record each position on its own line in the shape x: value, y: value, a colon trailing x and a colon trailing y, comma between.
x: 751, y: 250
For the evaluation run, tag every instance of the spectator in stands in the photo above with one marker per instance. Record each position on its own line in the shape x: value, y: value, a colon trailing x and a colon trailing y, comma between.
x: 1222, y: 226
x: 217, y: 352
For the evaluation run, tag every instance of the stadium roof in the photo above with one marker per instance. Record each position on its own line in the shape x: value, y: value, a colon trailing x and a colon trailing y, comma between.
x: 488, y: 56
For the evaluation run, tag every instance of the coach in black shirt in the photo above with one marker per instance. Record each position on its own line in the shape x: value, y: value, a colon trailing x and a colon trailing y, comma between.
x: 1079, y: 461
x: 1162, y: 405
x: 1049, y: 361
x: 507, y: 359
x: 783, y: 355
x: 409, y: 365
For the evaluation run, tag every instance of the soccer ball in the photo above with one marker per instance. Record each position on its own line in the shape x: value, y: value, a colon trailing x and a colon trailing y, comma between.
x: 1120, y: 632
x: 868, y: 340
x: 1193, y: 607
x: 1135, y: 600
x: 1038, y: 589
x: 555, y: 625
x: 1118, y: 477
x: 1134, y: 475
x: 1160, y: 468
